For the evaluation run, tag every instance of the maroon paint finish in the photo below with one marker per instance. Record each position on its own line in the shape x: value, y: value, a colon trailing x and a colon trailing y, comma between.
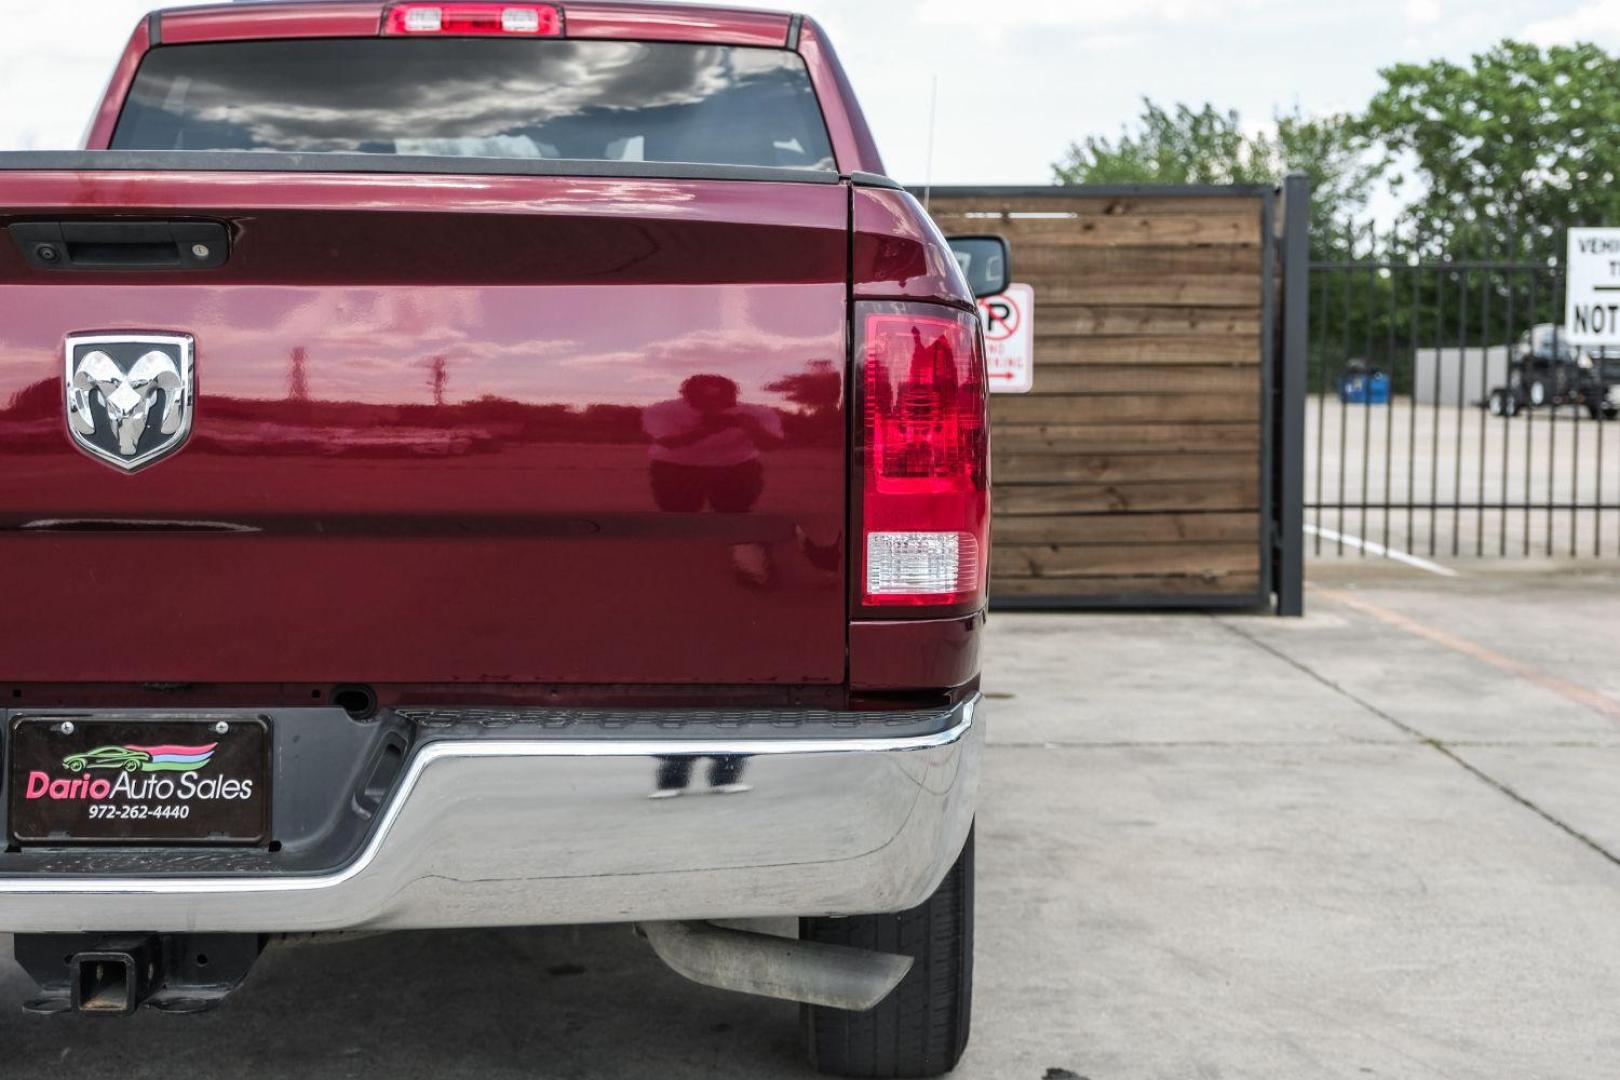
x: 327, y: 18
x: 359, y: 18
x: 663, y: 22
x: 418, y: 453
x: 246, y: 695
x: 99, y: 137
x: 899, y: 253
x: 353, y: 216
x: 504, y: 536
x: 852, y: 140
x: 923, y: 654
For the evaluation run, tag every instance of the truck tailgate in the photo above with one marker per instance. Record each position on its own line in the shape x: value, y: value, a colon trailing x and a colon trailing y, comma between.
x: 437, y: 435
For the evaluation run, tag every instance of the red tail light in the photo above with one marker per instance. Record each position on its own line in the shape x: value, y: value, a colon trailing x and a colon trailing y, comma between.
x: 475, y: 20
x: 926, y: 490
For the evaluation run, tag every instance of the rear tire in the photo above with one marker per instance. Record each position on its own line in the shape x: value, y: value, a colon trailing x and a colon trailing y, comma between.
x: 1503, y: 403
x: 921, y: 1029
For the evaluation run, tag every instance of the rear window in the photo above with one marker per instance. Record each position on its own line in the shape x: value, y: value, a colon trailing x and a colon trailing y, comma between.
x: 578, y: 100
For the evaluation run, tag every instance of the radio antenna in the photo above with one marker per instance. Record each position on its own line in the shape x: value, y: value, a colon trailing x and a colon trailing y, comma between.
x: 933, y: 114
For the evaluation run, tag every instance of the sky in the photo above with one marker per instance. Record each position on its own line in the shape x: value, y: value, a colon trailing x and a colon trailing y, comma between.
x: 1018, y: 80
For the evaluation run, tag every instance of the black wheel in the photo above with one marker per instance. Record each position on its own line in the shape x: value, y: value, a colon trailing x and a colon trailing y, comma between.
x: 921, y: 1029
x: 1502, y: 403
x: 1540, y: 393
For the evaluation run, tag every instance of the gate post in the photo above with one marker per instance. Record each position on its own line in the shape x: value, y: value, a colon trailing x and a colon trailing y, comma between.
x: 1289, y: 543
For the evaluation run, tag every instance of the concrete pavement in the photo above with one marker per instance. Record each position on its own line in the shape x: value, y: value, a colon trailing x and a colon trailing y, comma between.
x: 1378, y: 842
x: 1363, y: 457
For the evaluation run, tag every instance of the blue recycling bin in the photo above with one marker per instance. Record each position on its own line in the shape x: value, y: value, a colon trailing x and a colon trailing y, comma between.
x: 1364, y: 388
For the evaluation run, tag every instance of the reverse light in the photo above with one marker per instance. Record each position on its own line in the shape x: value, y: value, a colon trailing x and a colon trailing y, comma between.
x: 902, y: 564
x: 925, y: 491
x: 474, y: 20
x: 423, y: 20
x: 520, y: 20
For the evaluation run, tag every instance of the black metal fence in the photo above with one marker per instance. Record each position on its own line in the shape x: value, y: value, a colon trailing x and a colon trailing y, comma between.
x: 1448, y: 416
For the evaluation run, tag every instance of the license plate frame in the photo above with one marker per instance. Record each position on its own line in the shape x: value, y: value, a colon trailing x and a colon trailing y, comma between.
x: 149, y: 781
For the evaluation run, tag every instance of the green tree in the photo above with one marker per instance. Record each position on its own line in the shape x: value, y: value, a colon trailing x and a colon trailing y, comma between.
x: 1184, y: 145
x: 1342, y: 173
x: 1179, y: 146
x: 1508, y: 150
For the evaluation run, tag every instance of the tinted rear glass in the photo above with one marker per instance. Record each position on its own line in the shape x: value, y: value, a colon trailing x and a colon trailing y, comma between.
x: 581, y: 100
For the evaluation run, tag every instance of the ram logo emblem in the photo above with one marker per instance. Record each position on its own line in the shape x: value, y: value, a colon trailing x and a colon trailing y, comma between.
x: 129, y: 396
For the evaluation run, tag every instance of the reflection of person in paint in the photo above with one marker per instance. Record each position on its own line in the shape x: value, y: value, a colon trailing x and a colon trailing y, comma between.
x: 705, y: 453
x: 725, y: 775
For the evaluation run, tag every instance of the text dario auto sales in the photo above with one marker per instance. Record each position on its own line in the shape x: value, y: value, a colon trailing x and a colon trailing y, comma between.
x: 132, y: 789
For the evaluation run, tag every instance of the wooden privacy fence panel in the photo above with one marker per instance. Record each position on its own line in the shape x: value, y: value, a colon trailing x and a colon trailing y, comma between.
x: 1136, y: 472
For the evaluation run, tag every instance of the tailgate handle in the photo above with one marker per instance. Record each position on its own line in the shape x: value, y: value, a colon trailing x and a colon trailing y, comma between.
x: 122, y: 245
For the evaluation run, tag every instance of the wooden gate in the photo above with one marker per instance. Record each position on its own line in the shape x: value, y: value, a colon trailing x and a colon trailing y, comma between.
x: 1137, y: 472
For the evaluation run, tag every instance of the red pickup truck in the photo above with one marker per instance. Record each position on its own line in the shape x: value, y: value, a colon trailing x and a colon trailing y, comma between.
x: 474, y: 464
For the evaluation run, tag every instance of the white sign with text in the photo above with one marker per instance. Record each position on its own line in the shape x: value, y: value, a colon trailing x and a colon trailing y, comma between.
x: 1592, y: 315
x: 1009, y: 338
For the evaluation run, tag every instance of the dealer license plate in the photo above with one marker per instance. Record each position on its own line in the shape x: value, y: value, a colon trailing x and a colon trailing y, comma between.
x: 114, y: 780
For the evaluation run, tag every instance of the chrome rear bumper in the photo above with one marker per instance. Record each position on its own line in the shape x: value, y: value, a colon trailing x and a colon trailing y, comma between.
x: 543, y: 831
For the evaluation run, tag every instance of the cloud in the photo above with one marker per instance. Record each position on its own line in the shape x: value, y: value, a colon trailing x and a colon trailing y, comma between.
x: 1081, y: 16
x: 1424, y: 12
x: 1596, y: 22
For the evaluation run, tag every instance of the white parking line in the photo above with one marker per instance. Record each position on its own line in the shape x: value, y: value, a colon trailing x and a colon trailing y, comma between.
x: 1372, y: 547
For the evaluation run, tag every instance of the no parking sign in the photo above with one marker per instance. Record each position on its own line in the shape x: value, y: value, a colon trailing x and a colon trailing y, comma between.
x: 1593, y: 287
x: 1009, y: 338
